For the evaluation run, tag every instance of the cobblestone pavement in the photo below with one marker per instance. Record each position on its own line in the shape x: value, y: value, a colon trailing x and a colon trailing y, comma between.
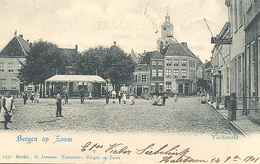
x: 187, y: 115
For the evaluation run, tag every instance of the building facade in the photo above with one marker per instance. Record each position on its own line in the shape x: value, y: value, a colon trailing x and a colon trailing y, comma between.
x: 157, y: 72
x: 141, y: 83
x: 172, y: 68
x: 180, y: 69
x: 236, y: 18
x: 221, y: 56
x: 252, y: 57
x: 204, y: 81
x: 10, y: 62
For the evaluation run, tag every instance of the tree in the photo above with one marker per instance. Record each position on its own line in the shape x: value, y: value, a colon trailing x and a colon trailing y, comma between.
x: 90, y: 62
x: 118, y: 66
x: 42, y: 62
x: 112, y: 63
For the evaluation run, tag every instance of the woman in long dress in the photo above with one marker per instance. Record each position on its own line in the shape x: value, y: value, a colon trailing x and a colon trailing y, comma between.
x: 114, y: 96
x: 124, y: 98
x: 132, y: 99
x: 7, y: 107
x: 37, y: 97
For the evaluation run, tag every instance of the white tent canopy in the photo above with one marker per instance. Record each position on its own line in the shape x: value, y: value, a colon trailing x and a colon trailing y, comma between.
x: 76, y: 78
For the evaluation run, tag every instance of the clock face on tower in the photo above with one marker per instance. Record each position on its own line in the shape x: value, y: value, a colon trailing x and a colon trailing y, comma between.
x: 164, y: 28
x: 167, y: 20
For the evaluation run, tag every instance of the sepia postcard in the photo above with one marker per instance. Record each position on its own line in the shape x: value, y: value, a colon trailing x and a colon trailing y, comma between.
x: 128, y: 81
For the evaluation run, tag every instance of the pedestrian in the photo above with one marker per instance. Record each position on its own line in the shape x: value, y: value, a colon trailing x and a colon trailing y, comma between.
x: 32, y: 96
x: 165, y: 96
x: 58, y: 103
x: 25, y: 98
x: 175, y: 98
x: 37, y: 97
x: 7, y: 108
x: 66, y: 96
x: 154, y: 99
x: 107, y: 97
x: 124, y: 98
x: 114, y: 96
x: 82, y: 95
x: 132, y: 100
x: 90, y: 96
x: 159, y: 101
x: 119, y: 97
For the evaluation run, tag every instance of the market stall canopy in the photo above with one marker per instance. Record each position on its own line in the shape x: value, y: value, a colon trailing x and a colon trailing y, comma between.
x: 76, y: 78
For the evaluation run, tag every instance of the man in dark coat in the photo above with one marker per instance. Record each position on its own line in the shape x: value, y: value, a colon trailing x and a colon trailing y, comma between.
x: 119, y: 97
x: 164, y: 97
x: 58, y: 103
x: 107, y: 97
x: 82, y: 95
x: 24, y: 97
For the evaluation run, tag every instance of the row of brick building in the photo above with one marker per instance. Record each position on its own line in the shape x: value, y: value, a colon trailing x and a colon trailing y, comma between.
x: 172, y: 68
x: 235, y: 63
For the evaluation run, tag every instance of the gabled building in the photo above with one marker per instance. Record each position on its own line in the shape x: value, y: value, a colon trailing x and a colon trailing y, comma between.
x: 157, y: 72
x: 12, y: 53
x: 151, y: 65
x: 180, y: 69
x: 141, y: 79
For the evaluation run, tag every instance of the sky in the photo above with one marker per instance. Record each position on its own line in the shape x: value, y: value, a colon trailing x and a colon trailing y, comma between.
x: 133, y: 24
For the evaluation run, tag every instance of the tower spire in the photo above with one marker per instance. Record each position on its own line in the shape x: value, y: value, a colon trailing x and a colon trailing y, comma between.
x: 167, y: 10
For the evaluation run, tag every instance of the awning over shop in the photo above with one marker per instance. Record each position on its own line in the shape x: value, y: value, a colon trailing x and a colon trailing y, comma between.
x: 76, y: 78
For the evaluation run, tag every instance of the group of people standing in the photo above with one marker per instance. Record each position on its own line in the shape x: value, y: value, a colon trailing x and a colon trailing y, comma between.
x: 121, y: 97
x: 82, y: 95
x: 34, y: 97
x: 159, y: 100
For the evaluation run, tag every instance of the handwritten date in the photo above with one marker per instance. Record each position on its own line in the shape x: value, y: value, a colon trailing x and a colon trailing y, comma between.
x: 169, y: 154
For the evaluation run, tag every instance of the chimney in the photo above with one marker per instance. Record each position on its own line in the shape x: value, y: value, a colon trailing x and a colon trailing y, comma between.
x: 184, y: 44
x: 206, y: 60
x: 76, y: 47
x: 21, y: 36
x: 114, y: 42
x: 28, y: 40
x: 144, y: 52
